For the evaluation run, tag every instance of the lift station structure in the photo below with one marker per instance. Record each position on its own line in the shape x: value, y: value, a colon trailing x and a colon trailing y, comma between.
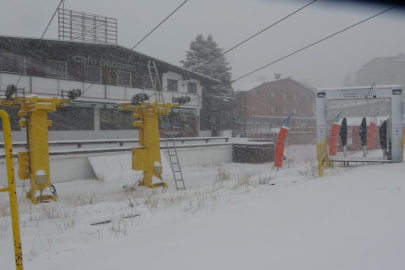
x: 147, y: 157
x: 33, y: 164
x: 395, y: 121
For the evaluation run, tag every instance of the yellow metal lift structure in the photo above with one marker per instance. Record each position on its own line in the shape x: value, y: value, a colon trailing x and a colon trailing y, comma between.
x: 147, y: 157
x: 322, y: 156
x: 11, y: 189
x: 33, y: 163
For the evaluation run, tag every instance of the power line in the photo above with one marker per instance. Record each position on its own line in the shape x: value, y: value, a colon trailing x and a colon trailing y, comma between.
x: 148, y: 34
x: 258, y: 33
x: 43, y: 34
x: 159, y: 25
x: 249, y: 38
x: 310, y: 45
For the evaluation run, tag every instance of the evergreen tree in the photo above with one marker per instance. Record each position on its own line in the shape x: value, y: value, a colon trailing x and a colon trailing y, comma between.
x: 202, y: 51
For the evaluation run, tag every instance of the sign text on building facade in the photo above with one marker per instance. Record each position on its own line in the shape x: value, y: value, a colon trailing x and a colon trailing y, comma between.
x: 103, y: 63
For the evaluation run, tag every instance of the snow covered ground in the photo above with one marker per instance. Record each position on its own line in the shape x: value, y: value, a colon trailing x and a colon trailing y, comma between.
x: 233, y: 216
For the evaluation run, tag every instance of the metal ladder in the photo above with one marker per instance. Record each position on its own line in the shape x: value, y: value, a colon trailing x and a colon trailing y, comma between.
x: 172, y: 150
x: 175, y: 164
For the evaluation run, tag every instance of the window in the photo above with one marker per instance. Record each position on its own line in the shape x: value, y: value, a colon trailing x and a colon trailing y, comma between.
x: 123, y: 78
x: 14, y: 119
x: 12, y: 63
x: 285, y: 96
x: 72, y: 118
x: 192, y: 88
x: 273, y: 95
x: 111, y: 119
x: 92, y: 74
x: 284, y: 110
x: 55, y: 69
x: 147, y: 83
x: 171, y: 85
x: 273, y: 109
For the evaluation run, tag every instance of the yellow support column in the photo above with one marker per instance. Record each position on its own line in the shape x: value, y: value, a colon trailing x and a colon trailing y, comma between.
x: 147, y: 155
x: 38, y: 139
x: 33, y: 164
x: 12, y: 190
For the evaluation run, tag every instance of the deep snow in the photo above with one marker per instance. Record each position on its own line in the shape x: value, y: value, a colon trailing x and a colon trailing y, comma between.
x: 233, y: 216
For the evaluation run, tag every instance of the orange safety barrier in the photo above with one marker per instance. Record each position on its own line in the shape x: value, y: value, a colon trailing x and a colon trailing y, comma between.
x: 333, y: 136
x: 279, y: 156
x: 370, y: 135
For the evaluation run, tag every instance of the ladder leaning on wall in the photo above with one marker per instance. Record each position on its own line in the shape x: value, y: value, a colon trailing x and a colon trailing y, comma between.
x: 171, y: 149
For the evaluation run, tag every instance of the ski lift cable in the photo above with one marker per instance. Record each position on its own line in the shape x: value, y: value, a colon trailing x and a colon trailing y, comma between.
x: 246, y: 40
x: 139, y: 42
x: 158, y: 25
x: 319, y: 41
x: 43, y: 34
x: 310, y: 45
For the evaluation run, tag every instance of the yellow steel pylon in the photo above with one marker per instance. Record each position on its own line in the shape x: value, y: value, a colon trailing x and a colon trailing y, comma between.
x: 8, y: 148
x: 147, y: 157
x: 33, y: 164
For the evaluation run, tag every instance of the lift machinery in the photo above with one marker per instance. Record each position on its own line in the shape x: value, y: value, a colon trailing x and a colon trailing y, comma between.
x: 33, y: 164
x: 147, y: 156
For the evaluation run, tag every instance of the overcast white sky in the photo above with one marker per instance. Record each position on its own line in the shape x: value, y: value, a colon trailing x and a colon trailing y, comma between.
x: 231, y: 21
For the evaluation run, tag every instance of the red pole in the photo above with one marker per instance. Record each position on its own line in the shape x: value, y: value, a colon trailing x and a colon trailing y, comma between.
x: 280, y: 143
x: 370, y: 135
x: 333, y: 139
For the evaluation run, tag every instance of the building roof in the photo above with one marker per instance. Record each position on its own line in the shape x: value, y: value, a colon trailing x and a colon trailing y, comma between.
x: 117, y: 46
x: 252, y: 85
x: 399, y: 58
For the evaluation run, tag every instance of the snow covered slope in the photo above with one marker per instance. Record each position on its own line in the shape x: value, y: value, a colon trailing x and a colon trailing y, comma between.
x: 352, y: 219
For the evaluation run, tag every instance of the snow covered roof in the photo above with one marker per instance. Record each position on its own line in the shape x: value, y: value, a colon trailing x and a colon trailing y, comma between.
x: 400, y: 57
x: 245, y: 87
x: 249, y: 85
x: 113, y: 45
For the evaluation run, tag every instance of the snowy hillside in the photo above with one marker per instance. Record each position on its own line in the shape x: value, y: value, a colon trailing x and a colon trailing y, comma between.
x: 233, y: 216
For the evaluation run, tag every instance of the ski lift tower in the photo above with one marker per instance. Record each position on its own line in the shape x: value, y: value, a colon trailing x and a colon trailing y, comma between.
x: 147, y: 157
x: 395, y: 121
x: 33, y: 164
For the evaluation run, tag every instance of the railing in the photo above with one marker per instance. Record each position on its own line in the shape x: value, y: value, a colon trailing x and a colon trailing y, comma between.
x: 303, y: 129
x: 121, y: 148
x: 120, y: 142
x: 259, y: 135
x: 323, y: 156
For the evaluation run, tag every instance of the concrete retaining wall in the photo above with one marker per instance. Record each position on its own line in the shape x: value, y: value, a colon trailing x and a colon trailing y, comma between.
x: 74, y: 167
